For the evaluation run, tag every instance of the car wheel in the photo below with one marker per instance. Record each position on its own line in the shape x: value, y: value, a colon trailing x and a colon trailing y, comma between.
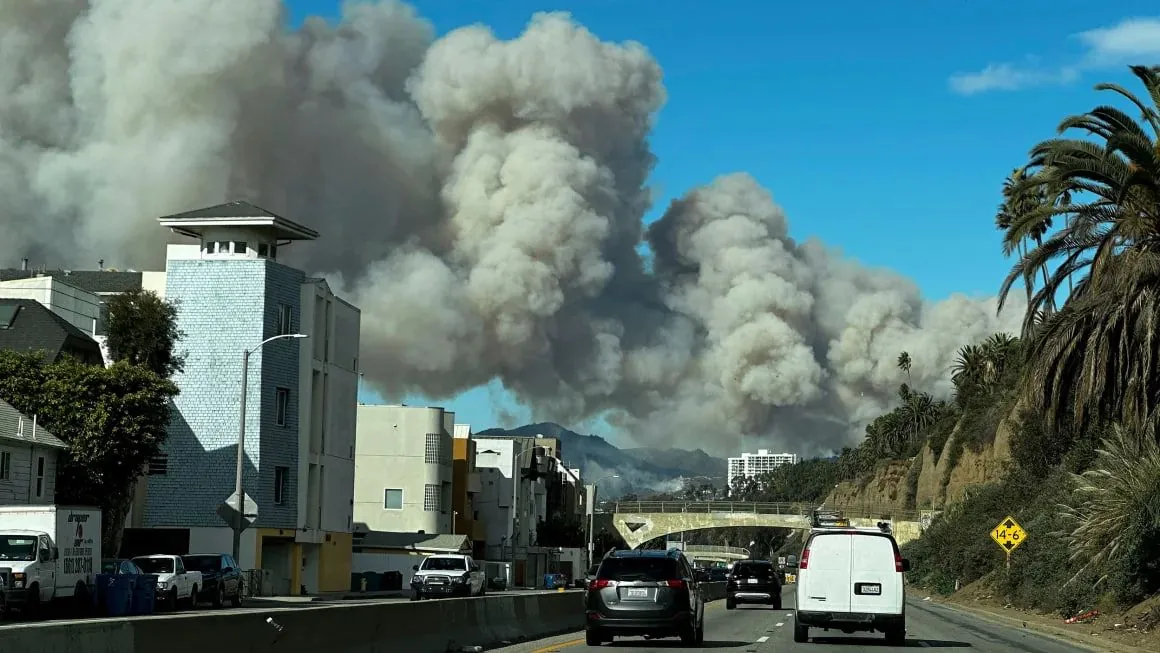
x: 592, y: 637
x: 219, y: 597
x: 193, y: 597
x: 483, y: 588
x: 171, y: 603
x: 700, y: 639
x: 730, y: 603
x: 689, y: 634
x: 801, y: 633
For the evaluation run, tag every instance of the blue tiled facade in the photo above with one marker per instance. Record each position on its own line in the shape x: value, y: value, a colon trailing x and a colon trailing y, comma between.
x: 224, y: 307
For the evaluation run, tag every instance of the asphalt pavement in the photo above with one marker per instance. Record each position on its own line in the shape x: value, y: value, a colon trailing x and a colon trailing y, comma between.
x: 759, y: 629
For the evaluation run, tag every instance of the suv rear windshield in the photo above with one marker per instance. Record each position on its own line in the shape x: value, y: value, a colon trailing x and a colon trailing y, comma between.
x: 752, y: 570
x: 644, y: 569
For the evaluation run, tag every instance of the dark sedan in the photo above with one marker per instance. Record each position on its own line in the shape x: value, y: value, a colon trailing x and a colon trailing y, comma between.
x: 221, y: 578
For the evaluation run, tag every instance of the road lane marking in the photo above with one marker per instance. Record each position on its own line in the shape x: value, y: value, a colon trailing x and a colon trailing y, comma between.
x: 778, y: 624
x: 762, y: 640
x: 557, y: 647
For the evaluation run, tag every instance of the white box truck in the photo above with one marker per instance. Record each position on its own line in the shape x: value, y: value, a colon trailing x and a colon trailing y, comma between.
x: 48, y: 554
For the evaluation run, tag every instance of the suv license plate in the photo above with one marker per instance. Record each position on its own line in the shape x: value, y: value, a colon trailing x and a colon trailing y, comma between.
x: 872, y: 589
x: 752, y: 581
x: 637, y: 593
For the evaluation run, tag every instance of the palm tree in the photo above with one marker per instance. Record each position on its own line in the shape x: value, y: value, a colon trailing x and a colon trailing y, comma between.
x: 1099, y: 357
x: 1116, y: 502
x: 1021, y: 199
x: 904, y: 364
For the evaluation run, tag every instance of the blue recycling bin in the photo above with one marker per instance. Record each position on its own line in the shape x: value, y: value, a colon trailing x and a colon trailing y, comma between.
x: 550, y: 581
x: 144, y: 595
x: 100, y: 585
x: 119, y: 595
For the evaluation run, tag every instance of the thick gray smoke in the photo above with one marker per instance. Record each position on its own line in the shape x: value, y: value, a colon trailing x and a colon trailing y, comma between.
x: 481, y: 200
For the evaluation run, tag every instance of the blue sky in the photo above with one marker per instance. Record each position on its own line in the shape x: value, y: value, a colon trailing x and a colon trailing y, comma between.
x: 885, y: 129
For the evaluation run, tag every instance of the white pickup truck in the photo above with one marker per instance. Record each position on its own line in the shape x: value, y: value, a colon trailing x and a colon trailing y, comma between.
x: 174, y: 583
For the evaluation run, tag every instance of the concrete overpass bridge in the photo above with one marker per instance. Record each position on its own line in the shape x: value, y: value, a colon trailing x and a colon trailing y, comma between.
x: 713, y: 553
x: 640, y: 521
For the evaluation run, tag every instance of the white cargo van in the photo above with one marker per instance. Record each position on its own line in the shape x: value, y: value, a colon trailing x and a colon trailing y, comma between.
x: 48, y: 553
x: 850, y: 579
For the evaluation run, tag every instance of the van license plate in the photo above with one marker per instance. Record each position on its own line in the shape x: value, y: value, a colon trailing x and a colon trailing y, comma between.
x: 752, y: 581
x: 637, y: 593
x: 871, y: 589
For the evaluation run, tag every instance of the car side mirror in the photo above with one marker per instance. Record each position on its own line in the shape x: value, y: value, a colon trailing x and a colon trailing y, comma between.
x: 905, y: 564
x: 414, y: 567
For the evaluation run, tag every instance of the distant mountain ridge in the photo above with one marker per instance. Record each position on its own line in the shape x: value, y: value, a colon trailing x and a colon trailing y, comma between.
x: 640, y: 469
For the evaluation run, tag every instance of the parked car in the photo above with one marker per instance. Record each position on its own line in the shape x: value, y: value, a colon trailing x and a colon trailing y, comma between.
x: 753, y: 581
x: 447, y: 575
x: 174, y: 582
x: 718, y: 574
x: 851, y: 579
x: 220, y: 576
x: 645, y: 592
x: 120, y: 567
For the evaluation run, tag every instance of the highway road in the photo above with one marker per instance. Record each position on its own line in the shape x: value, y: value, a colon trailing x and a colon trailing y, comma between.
x: 753, y: 629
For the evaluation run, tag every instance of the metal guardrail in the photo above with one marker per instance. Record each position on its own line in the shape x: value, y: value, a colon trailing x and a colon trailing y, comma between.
x: 749, y: 507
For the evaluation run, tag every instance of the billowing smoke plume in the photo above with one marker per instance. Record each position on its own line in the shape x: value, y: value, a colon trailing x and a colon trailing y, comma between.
x: 480, y: 199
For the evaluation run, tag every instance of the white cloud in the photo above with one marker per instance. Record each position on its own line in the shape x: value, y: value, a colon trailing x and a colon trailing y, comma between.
x: 1007, y: 77
x: 1126, y: 42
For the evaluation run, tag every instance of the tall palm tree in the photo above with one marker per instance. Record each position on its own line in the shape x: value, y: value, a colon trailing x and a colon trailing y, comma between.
x: 1099, y: 357
x: 1022, y: 199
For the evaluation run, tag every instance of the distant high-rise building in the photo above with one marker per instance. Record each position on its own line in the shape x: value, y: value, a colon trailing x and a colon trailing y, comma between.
x: 750, y: 465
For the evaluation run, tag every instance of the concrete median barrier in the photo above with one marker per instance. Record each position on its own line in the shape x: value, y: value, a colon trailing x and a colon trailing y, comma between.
x: 416, y: 627
x: 713, y: 591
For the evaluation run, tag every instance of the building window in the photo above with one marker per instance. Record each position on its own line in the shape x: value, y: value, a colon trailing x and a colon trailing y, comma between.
x: 285, y: 319
x: 5, y: 465
x: 263, y: 250
x: 281, y: 405
x: 431, y: 452
x: 281, y: 484
x: 239, y: 247
x: 39, y: 477
x: 159, y: 465
x: 392, y: 499
x: 431, y: 496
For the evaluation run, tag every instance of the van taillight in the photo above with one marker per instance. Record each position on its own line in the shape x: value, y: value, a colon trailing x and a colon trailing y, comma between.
x: 897, y: 561
x: 678, y: 584
x: 600, y: 584
x: 805, y: 559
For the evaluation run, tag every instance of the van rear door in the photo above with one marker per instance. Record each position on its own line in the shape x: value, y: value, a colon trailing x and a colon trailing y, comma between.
x: 876, y: 583
x: 824, y: 585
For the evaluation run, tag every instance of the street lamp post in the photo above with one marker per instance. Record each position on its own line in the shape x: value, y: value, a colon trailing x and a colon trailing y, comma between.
x: 240, y: 520
x: 592, y: 513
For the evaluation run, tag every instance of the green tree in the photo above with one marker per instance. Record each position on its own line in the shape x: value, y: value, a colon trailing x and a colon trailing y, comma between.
x: 1097, y: 359
x: 114, y: 420
x: 559, y: 531
x: 143, y: 331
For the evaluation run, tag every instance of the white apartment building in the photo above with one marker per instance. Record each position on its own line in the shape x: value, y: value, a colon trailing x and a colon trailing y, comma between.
x: 403, y: 469
x: 509, y: 504
x: 79, y: 297
x: 751, y: 465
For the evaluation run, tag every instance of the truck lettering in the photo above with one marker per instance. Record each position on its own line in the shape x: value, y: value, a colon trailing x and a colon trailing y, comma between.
x: 80, y: 517
x: 80, y: 564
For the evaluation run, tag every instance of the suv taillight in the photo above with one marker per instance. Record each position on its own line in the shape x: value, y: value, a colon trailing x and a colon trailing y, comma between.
x: 599, y: 584
x: 678, y: 584
x: 805, y: 559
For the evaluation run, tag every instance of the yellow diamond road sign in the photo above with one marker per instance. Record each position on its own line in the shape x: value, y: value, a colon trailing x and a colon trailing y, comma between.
x: 1009, y: 534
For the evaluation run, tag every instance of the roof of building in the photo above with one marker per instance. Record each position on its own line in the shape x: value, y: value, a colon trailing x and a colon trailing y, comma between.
x: 235, y: 214
x: 429, y: 542
x: 26, y: 325
x: 94, y: 281
x: 11, y: 428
